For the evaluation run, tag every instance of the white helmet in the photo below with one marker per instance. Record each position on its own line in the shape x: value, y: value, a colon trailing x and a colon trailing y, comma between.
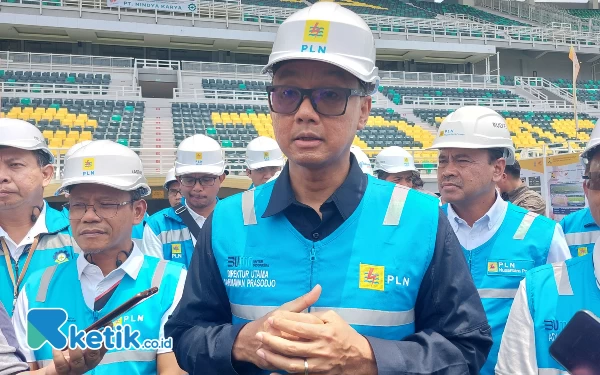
x: 394, y: 159
x: 21, y: 134
x: 170, y: 178
x: 363, y: 160
x: 263, y: 152
x: 105, y: 163
x: 330, y: 33
x: 199, y: 154
x: 74, y: 148
x: 592, y: 143
x: 475, y: 127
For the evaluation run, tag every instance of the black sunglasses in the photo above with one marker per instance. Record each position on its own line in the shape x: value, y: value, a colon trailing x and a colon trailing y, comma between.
x: 327, y: 101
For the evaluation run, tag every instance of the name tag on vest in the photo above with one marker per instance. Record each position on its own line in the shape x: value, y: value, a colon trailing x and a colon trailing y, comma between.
x: 508, y: 267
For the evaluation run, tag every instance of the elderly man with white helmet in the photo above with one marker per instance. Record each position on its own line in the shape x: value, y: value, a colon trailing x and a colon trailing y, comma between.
x: 263, y: 160
x: 173, y: 188
x: 326, y: 269
x: 106, y: 186
x: 33, y: 236
x: 200, y: 170
x: 501, y: 241
x: 395, y: 164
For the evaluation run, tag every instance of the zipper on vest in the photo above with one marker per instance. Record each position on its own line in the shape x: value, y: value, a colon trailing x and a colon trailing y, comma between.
x: 312, y: 257
x: 470, y: 259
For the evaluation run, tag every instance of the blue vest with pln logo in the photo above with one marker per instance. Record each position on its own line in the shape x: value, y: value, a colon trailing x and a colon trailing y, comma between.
x: 370, y: 268
x: 53, y: 248
x: 581, y: 232
x: 555, y: 292
x: 174, y: 235
x: 521, y: 243
x: 46, y: 289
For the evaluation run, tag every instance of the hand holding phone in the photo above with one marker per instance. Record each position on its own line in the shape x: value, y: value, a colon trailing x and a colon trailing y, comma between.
x: 577, y: 347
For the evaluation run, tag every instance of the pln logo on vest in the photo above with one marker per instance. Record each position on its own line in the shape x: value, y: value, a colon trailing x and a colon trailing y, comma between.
x: 371, y: 277
x: 176, y: 251
x: 492, y: 267
x: 315, y: 31
x: 581, y: 251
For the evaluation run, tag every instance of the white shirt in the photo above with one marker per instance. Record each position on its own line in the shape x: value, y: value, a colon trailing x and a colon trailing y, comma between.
x: 517, y: 349
x: 484, y: 228
x: 94, y: 284
x: 16, y: 249
x: 153, y: 246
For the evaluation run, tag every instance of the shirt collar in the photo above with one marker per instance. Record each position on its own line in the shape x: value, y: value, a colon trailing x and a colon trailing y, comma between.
x: 346, y: 197
x: 39, y: 227
x: 195, y: 216
x: 131, y: 266
x: 491, y: 218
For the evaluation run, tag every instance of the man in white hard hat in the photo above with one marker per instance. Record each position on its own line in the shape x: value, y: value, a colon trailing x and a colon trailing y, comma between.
x: 200, y: 169
x: 581, y: 227
x: 106, y: 186
x: 357, y: 253
x: 363, y: 160
x: 501, y: 241
x: 263, y: 160
x: 33, y: 236
x: 173, y: 188
x: 394, y: 164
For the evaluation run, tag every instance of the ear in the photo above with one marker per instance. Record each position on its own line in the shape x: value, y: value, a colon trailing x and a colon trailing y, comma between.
x: 248, y: 171
x: 48, y: 174
x: 499, y: 166
x: 222, y: 177
x: 585, y: 187
x: 139, y: 210
x: 365, y: 110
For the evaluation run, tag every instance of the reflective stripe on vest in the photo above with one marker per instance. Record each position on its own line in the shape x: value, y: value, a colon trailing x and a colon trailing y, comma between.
x: 54, y: 241
x: 561, y: 276
x: 551, y: 371
x: 49, y: 272
x: 582, y: 238
x: 139, y: 242
x: 497, y: 293
x: 118, y: 357
x: 392, y: 215
x: 174, y: 235
x: 525, y: 225
x: 365, y: 317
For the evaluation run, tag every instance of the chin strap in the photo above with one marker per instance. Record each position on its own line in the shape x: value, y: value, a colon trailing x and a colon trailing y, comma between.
x: 118, y: 262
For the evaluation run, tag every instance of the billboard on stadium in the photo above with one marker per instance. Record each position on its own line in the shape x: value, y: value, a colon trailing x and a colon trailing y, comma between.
x: 181, y: 6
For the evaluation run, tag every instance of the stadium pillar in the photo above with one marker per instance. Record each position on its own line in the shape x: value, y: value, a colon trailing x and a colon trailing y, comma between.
x: 593, y: 4
x: 467, y: 2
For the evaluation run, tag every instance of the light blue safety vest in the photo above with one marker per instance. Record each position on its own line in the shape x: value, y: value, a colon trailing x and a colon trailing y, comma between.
x: 46, y: 289
x: 174, y: 235
x: 555, y: 292
x: 138, y: 231
x: 53, y: 248
x: 581, y: 232
x: 521, y: 243
x: 370, y: 268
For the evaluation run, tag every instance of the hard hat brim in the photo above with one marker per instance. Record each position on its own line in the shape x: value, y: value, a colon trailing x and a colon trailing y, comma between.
x: 27, y: 145
x: 262, y: 164
x: 396, y: 169
x: 113, y: 182
x: 205, y: 169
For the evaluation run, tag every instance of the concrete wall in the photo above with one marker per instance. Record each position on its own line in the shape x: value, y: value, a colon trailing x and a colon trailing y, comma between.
x: 551, y: 65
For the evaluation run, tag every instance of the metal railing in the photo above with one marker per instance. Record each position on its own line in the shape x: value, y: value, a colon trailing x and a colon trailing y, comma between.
x: 535, y: 82
x: 58, y: 63
x: 51, y: 89
x: 421, y: 102
x: 157, y: 64
x: 241, y: 71
x: 216, y: 96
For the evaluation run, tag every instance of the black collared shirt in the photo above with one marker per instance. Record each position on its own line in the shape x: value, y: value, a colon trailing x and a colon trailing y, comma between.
x: 336, y: 209
x: 452, y: 335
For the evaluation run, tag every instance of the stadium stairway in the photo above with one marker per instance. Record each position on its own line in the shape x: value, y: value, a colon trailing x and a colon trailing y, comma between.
x: 407, y: 113
x: 157, y: 134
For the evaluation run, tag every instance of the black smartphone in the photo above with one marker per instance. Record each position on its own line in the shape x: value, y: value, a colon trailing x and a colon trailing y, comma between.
x: 577, y: 347
x: 128, y: 305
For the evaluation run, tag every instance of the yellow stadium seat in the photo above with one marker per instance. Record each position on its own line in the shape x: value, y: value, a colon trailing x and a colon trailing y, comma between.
x: 69, y: 142
x: 28, y: 110
x: 79, y: 122
x: 66, y: 122
x: 23, y: 116
x: 73, y: 134
x: 92, y: 122
x: 48, y: 134
x: 85, y: 136
x: 60, y: 134
x: 40, y: 110
x: 55, y: 143
x: 13, y: 115
x: 71, y: 116
x: 52, y: 111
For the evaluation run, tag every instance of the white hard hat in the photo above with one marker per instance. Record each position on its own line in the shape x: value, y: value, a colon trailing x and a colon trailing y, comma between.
x: 330, y: 33
x: 105, y: 163
x: 394, y: 159
x: 263, y: 152
x: 475, y: 127
x: 199, y: 154
x: 21, y: 134
x: 170, y: 178
x: 74, y: 148
x: 363, y: 160
x: 592, y: 143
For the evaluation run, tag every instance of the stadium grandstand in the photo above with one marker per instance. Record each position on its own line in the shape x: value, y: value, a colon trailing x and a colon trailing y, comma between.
x: 148, y: 74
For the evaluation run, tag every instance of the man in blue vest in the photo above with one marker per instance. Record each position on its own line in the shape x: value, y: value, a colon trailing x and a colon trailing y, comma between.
x: 173, y: 188
x: 580, y: 227
x: 501, y: 241
x: 33, y: 236
x: 326, y: 269
x: 200, y: 169
x: 105, y: 185
x: 263, y: 160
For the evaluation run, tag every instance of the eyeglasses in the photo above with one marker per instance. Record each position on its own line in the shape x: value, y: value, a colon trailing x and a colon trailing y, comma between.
x: 102, y: 210
x: 325, y: 101
x: 191, y: 181
x: 593, y: 180
x: 174, y: 192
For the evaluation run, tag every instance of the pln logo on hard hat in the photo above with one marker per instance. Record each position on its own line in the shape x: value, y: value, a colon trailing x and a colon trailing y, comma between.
x: 266, y: 156
x: 88, y: 166
x: 198, y: 158
x: 315, y: 31
x: 406, y: 162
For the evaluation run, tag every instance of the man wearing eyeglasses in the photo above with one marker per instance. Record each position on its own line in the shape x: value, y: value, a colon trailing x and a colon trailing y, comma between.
x: 327, y: 270
x: 581, y: 227
x: 200, y: 169
x: 106, y: 186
